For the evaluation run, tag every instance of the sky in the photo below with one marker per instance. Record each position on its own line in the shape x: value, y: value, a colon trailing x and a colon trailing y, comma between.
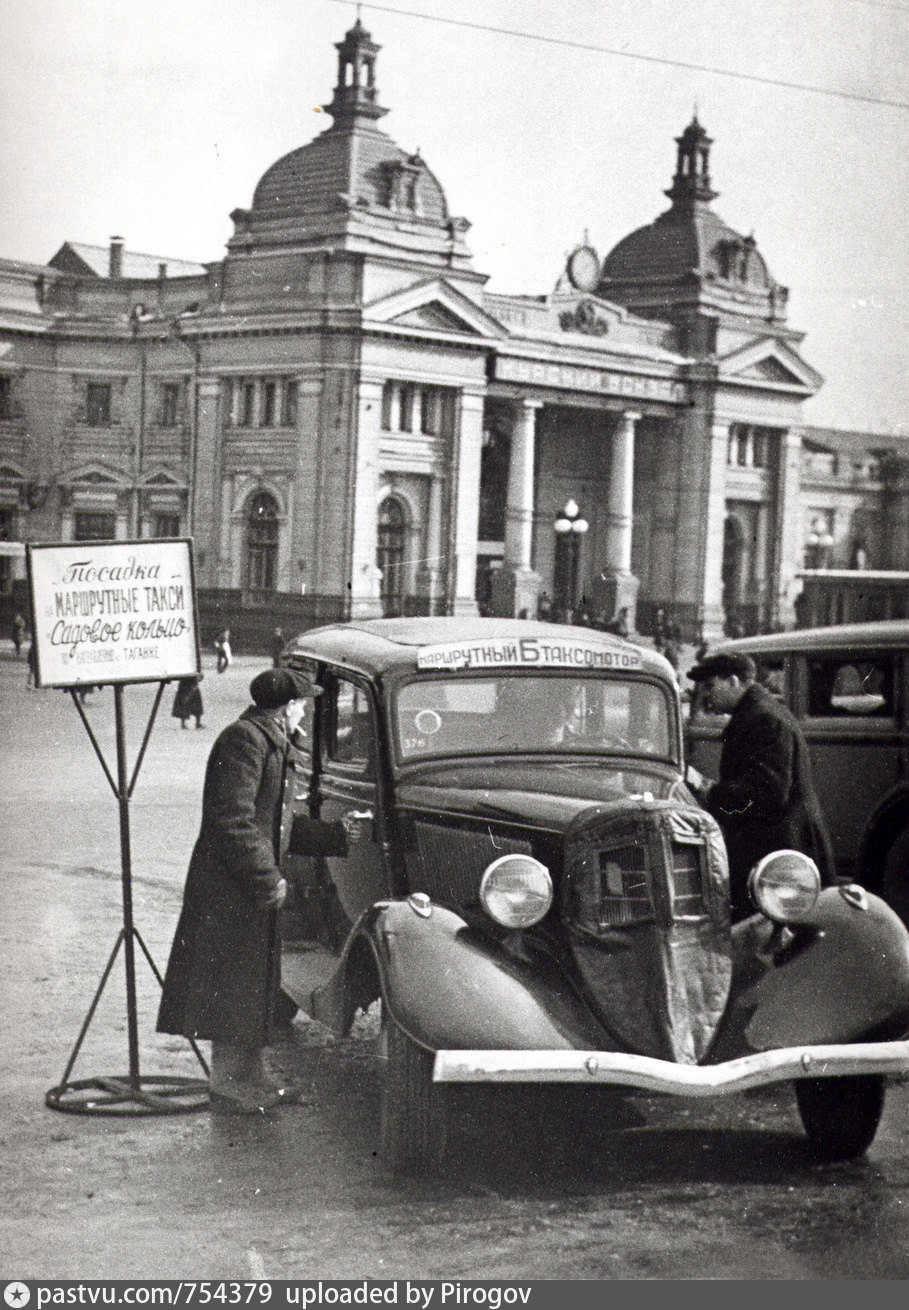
x: 154, y: 121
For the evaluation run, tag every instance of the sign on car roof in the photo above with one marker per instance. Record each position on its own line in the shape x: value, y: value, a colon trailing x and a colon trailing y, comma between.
x: 527, y: 652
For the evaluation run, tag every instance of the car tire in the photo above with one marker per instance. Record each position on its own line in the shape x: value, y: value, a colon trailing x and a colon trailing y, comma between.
x: 894, y: 885
x: 840, y: 1115
x: 413, y: 1109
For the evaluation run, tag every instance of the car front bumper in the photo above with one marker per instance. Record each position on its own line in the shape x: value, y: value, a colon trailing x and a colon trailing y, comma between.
x: 651, y: 1075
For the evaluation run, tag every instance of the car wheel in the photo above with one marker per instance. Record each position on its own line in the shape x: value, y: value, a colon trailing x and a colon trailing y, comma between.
x: 413, y: 1109
x: 840, y: 1115
x: 895, y: 875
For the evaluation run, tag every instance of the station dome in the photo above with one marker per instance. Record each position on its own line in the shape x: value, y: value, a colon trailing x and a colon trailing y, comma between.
x: 688, y: 245
x: 353, y: 163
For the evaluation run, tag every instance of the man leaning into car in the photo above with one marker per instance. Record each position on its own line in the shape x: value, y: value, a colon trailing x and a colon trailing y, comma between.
x: 764, y: 799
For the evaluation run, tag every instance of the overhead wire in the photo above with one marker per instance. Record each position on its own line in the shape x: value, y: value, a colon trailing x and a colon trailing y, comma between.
x: 628, y: 54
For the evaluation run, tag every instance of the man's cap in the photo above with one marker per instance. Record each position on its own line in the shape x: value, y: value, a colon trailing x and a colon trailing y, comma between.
x: 725, y: 664
x: 275, y: 687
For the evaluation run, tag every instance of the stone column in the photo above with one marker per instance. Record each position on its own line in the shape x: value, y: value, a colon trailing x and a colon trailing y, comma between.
x: 466, y: 508
x: 365, y: 599
x: 305, y: 491
x: 205, y: 481
x: 434, y: 544
x: 788, y: 532
x: 617, y: 589
x: 516, y: 586
x: 231, y: 565
x: 712, y: 507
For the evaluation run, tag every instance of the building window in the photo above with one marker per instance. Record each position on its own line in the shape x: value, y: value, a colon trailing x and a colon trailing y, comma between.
x: 170, y: 399
x: 247, y: 404
x: 750, y: 447
x: 388, y: 396
x: 390, y: 555
x: 262, y: 543
x: 268, y: 405
x: 430, y: 406
x: 409, y: 408
x: 97, y: 404
x: 90, y: 525
x: 291, y: 405
x: 6, y: 398
x: 819, y: 539
x: 167, y: 525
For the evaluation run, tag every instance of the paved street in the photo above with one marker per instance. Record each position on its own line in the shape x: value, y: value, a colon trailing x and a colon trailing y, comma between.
x: 633, y: 1188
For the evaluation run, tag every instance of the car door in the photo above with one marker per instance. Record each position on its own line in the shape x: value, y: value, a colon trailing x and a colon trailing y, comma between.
x: 848, y: 704
x: 346, y: 788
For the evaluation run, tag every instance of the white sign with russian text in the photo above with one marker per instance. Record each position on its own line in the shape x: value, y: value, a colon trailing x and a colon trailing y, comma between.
x: 121, y: 611
x: 529, y: 652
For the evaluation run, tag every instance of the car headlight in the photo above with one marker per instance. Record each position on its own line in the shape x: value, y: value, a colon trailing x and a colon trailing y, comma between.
x: 516, y: 891
x: 785, y: 885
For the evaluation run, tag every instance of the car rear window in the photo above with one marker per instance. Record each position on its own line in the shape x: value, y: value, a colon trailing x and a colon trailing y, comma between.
x: 521, y: 713
x: 846, y: 686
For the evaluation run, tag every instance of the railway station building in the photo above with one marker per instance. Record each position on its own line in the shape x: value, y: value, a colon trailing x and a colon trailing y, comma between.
x: 349, y: 423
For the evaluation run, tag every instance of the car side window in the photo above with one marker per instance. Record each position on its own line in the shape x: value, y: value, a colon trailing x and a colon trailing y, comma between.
x: 771, y: 673
x: 349, y: 737
x: 848, y: 687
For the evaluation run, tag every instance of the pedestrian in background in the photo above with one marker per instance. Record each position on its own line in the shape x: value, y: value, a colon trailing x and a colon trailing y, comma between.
x: 764, y: 799
x: 223, y: 978
x: 31, y: 676
x: 188, y: 700
x: 277, y: 647
x: 18, y: 634
x: 222, y: 646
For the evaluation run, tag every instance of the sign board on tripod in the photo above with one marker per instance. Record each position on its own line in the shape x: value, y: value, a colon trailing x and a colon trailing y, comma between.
x: 113, y: 611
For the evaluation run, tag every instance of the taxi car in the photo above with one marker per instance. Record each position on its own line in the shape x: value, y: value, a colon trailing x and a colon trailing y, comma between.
x: 535, y: 896
x: 848, y: 686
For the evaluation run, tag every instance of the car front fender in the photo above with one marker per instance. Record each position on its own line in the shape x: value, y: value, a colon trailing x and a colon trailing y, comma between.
x: 449, y: 987
x: 837, y: 978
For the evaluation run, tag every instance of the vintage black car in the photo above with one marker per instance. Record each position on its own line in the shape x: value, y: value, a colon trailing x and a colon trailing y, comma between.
x: 534, y: 895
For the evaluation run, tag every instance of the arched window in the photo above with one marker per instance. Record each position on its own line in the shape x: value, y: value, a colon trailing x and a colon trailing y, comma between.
x: 261, y: 542
x: 390, y: 555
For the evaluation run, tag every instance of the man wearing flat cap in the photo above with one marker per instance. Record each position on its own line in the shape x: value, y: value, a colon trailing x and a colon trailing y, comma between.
x: 223, y: 977
x: 764, y: 799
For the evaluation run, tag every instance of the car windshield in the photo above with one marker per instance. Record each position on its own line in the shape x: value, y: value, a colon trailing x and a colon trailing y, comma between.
x: 519, y: 713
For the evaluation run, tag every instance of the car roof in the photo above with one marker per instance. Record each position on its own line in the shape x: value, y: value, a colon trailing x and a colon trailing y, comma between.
x: 376, y: 646
x: 885, y: 634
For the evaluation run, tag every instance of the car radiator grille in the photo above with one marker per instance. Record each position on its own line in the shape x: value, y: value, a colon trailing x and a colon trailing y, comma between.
x: 448, y: 863
x: 654, y: 867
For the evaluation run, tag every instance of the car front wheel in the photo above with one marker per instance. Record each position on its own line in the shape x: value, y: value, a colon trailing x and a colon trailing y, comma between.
x: 895, y: 875
x: 413, y: 1109
x: 840, y: 1115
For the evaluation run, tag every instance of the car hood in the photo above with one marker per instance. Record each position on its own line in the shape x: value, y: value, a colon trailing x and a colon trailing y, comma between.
x: 548, y: 794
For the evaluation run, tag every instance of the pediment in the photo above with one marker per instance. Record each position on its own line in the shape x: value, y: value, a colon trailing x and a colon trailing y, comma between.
x: 161, y: 478
x: 770, y: 362
x: 769, y: 370
x: 435, y: 306
x: 434, y: 316
x: 95, y: 475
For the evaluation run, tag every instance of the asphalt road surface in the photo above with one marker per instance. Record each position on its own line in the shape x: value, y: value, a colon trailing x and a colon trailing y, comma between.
x: 540, y: 1186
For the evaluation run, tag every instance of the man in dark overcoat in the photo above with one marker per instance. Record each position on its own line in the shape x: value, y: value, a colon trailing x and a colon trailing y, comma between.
x: 764, y: 799
x: 222, y: 981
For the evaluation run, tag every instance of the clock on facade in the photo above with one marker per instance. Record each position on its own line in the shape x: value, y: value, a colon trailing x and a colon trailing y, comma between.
x: 583, y: 268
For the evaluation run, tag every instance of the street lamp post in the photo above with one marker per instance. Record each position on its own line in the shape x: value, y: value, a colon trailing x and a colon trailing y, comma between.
x: 569, y: 528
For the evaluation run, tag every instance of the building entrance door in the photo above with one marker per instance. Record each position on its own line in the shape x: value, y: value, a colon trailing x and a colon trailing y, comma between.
x: 390, y: 556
